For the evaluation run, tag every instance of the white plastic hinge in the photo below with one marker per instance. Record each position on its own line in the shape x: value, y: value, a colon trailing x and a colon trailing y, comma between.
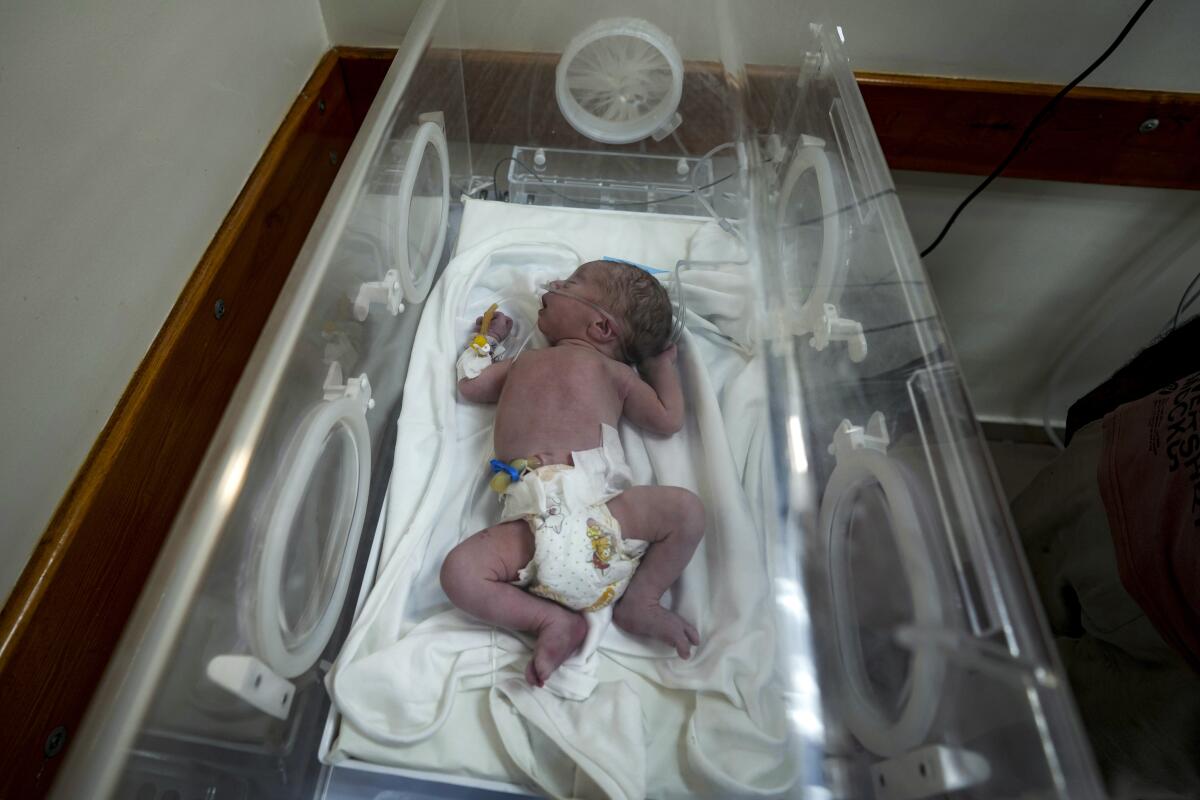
x: 775, y: 148
x: 850, y: 437
x: 539, y: 159
x: 813, y: 63
x: 335, y: 388
x: 254, y: 682
x: 682, y: 168
x: 667, y: 128
x: 832, y: 328
x: 807, y: 140
x: 386, y: 291
x: 933, y: 769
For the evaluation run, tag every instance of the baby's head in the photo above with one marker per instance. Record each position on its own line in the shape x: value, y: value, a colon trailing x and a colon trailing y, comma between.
x: 611, y: 305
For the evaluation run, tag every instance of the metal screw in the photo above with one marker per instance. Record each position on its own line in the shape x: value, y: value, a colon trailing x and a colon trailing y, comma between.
x: 219, y: 309
x: 55, y: 742
x: 1148, y: 125
x: 321, y: 106
x: 332, y: 157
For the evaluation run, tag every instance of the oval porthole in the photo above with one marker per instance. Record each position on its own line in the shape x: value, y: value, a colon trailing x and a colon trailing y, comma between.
x: 810, y: 225
x: 889, y: 698
x: 311, y: 537
x: 400, y: 222
x: 422, y: 209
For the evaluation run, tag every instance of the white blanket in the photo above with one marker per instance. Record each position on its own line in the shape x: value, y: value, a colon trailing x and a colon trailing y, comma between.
x: 422, y: 685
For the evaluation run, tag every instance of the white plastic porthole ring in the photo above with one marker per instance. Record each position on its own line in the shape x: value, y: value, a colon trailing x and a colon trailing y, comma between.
x: 416, y: 286
x: 607, y: 72
x: 813, y: 157
x: 880, y: 732
x: 347, y: 413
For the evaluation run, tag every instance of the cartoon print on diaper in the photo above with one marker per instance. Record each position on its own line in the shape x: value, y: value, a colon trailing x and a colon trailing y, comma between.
x: 605, y: 598
x: 552, y: 520
x: 550, y: 594
x: 602, y: 546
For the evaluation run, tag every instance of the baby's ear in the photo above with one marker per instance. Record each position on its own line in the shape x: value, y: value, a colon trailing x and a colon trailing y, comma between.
x: 605, y: 331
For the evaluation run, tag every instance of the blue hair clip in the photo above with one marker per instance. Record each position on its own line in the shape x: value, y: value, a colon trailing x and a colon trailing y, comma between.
x: 651, y: 270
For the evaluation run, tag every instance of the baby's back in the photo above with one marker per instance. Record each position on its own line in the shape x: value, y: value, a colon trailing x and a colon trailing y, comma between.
x: 554, y: 402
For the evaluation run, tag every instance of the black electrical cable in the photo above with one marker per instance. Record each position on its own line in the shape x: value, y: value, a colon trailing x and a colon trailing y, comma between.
x: 1182, y: 306
x: 814, y: 220
x: 1041, y: 117
x: 903, y: 324
x: 549, y: 188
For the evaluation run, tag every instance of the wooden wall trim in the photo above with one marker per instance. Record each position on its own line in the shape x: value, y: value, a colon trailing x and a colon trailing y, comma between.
x: 923, y: 123
x: 1094, y: 135
x: 70, y: 605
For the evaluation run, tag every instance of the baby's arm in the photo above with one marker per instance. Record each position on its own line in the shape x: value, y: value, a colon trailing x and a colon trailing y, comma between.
x: 655, y: 401
x: 486, y: 386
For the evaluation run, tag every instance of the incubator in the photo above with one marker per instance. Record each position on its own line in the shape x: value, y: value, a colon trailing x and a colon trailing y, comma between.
x: 868, y: 628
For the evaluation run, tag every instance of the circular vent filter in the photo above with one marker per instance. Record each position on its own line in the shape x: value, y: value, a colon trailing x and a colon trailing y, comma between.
x: 619, y: 81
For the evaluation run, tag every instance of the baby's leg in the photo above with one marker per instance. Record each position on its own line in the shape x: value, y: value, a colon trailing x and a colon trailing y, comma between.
x: 477, y: 577
x: 672, y: 520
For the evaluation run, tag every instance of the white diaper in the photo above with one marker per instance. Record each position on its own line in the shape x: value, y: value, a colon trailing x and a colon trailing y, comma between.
x: 580, y: 559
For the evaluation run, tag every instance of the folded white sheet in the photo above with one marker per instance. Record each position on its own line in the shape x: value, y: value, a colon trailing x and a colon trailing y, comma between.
x: 422, y: 685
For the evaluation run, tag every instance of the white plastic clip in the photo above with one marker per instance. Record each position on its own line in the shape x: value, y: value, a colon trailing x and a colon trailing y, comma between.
x: 539, y: 159
x: 359, y: 387
x: 386, y: 291
x: 775, y: 149
x: 933, y: 769
x: 667, y: 128
x: 832, y: 328
x: 850, y: 437
x: 254, y: 682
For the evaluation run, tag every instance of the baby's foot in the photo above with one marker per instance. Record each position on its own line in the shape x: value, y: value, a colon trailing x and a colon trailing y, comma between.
x: 556, y: 640
x: 649, y: 618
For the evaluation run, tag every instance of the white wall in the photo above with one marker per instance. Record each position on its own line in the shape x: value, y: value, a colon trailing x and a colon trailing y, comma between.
x: 128, y: 128
x: 1035, y: 274
x: 1021, y: 40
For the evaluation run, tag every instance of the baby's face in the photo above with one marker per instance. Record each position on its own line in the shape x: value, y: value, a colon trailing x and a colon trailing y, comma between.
x: 563, y: 315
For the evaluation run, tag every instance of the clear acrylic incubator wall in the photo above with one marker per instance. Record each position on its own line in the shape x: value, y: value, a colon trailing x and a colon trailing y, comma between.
x: 868, y: 628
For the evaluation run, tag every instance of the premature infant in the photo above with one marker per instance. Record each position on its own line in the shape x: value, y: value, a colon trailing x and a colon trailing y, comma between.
x: 569, y: 533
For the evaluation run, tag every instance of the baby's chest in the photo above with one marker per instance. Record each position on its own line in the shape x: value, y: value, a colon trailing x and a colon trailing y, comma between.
x: 567, y: 377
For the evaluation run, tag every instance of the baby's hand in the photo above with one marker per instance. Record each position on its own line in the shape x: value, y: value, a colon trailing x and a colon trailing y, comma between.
x: 501, y: 326
x: 665, y: 357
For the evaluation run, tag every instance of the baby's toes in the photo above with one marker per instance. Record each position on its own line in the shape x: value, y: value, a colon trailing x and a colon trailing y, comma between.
x: 683, y: 648
x: 531, y: 675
